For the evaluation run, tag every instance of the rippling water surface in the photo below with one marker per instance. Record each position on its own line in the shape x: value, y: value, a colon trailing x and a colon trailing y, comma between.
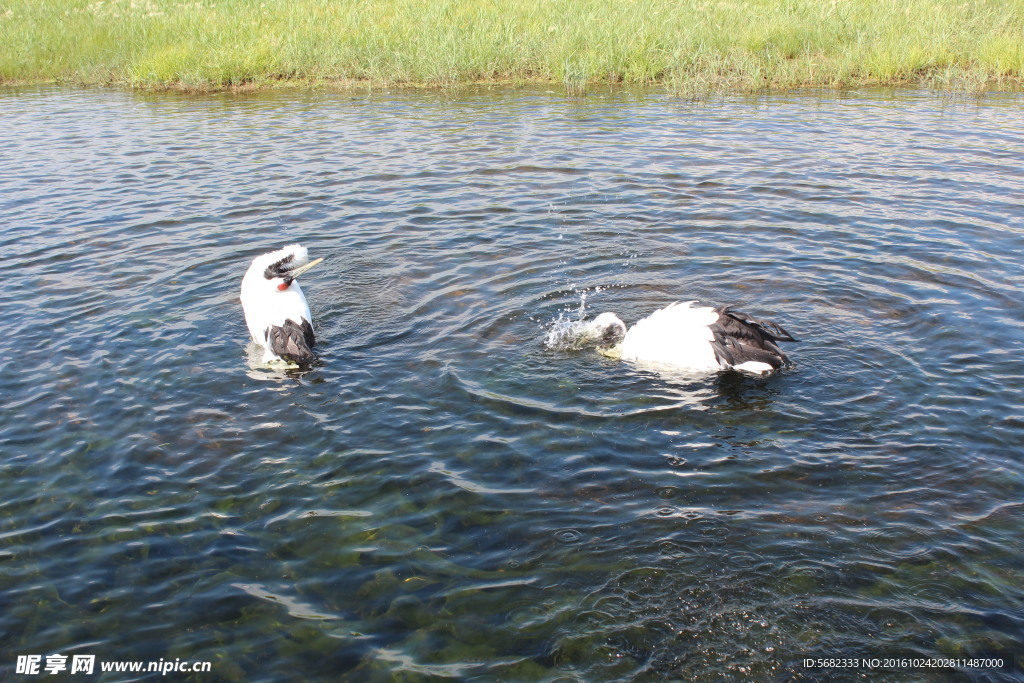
x: 444, y: 496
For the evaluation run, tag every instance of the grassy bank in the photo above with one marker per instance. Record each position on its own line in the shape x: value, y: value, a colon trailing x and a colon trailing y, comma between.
x: 692, y: 46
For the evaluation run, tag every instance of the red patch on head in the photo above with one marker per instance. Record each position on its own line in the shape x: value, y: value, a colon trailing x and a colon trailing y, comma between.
x: 283, y: 286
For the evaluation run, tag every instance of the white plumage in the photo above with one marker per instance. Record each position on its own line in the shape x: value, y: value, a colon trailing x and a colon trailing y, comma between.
x: 695, y: 339
x: 276, y: 311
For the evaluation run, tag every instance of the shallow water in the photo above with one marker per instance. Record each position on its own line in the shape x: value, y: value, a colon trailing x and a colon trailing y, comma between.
x: 445, y: 497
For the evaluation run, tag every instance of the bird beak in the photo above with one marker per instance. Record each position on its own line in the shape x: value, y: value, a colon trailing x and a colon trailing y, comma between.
x: 295, y: 272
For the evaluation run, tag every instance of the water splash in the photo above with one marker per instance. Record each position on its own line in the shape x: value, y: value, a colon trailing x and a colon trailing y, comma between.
x: 570, y: 331
x: 272, y: 370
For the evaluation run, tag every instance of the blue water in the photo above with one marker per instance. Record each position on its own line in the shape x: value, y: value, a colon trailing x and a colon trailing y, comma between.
x: 446, y: 497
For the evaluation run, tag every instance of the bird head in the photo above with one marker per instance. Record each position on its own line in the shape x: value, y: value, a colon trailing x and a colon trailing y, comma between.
x: 282, y: 273
x: 277, y: 270
x: 608, y: 329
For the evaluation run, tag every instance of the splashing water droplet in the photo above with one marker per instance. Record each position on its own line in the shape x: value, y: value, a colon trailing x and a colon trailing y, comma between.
x: 571, y: 330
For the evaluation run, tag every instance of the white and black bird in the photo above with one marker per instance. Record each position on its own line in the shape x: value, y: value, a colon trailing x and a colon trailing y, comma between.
x: 694, y: 339
x: 276, y: 311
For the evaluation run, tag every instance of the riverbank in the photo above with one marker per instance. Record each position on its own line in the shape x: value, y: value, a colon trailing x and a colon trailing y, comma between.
x: 692, y: 47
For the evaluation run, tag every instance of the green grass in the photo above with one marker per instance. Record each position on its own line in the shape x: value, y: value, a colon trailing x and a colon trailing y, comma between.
x: 692, y: 46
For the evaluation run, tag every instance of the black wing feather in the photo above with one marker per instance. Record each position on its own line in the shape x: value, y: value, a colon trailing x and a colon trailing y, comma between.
x: 769, y: 329
x: 292, y: 341
x: 739, y: 338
